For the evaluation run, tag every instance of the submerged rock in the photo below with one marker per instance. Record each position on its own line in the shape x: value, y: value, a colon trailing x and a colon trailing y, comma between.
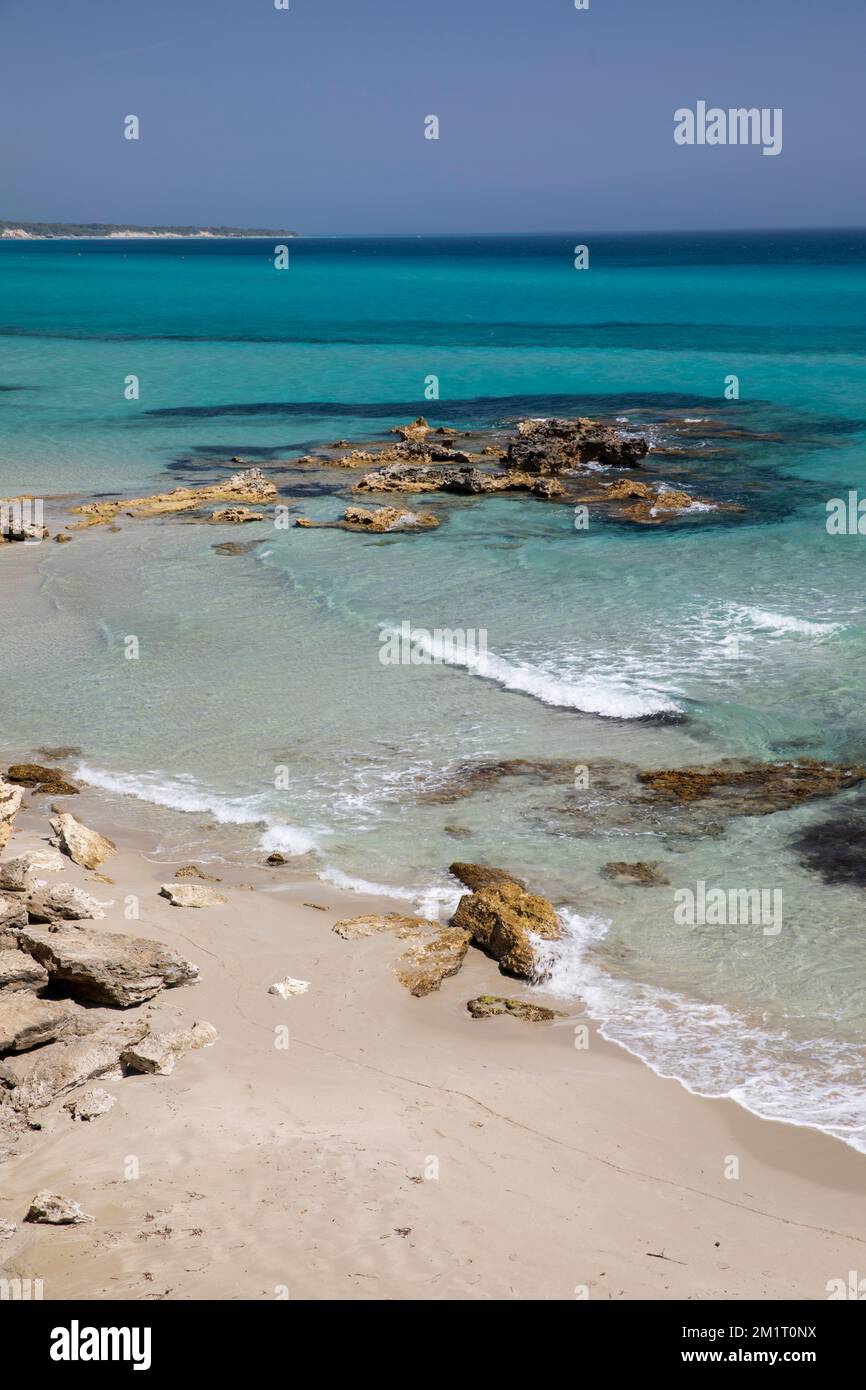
x: 250, y: 485
x: 489, y: 1005
x: 503, y: 919
x: 646, y: 873
x: 477, y: 876
x: 835, y: 849
x: 85, y: 847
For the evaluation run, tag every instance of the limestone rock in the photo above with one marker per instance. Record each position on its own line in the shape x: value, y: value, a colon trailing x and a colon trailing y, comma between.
x: 36, y: 1078
x: 158, y: 1053
x: 250, y: 485
x: 549, y: 446
x: 430, y: 960
x: 488, y: 1005
x: 646, y: 873
x: 64, y: 902
x: 289, y: 986
x: 17, y: 875
x: 10, y: 804
x: 27, y: 1021
x: 51, y: 1209
x: 85, y: 847
x: 548, y: 488
x: 91, y: 1104
x: 193, y: 871
x: 19, y: 971
x: 477, y: 876
x: 191, y: 895
x: 235, y: 516
x: 107, y: 966
x: 503, y: 919
x: 353, y: 928
x: 399, y: 477
x: 42, y: 779
x: 7, y: 1229
x: 387, y: 519
x: 13, y: 911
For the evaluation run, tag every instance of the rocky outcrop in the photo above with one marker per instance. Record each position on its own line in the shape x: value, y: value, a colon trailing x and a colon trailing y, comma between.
x: 235, y: 516
x: 548, y: 488
x: 250, y: 485
x: 379, y: 520
x: 64, y: 903
x: 489, y: 1005
x: 37, y: 1078
x: 464, y: 479
x: 42, y: 779
x: 191, y: 895
x: 430, y: 959
x: 744, y: 788
x: 106, y: 966
x: 13, y: 911
x: 85, y: 847
x: 648, y: 874
x: 549, y: 446
x: 26, y: 1021
x: 10, y: 804
x: 476, y: 876
x: 92, y: 1103
x: 502, y: 920
x: 52, y: 1209
x: 158, y: 1053
x: 19, y: 971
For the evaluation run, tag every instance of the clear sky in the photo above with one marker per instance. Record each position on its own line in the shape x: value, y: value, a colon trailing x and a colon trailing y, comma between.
x: 550, y: 118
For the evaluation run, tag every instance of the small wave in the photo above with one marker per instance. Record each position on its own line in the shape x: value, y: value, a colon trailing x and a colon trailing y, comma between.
x: 782, y: 624
x: 433, y: 901
x: 592, y: 695
x: 710, y: 1050
x: 184, y: 793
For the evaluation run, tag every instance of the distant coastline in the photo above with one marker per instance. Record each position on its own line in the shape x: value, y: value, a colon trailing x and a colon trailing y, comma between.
x: 56, y: 231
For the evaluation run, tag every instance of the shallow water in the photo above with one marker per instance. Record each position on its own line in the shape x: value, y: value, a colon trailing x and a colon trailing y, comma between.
x: 259, y: 702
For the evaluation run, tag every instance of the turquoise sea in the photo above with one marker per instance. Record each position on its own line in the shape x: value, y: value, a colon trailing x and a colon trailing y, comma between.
x: 259, y: 715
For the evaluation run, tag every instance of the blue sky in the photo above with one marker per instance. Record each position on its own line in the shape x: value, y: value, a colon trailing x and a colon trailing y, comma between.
x: 551, y: 119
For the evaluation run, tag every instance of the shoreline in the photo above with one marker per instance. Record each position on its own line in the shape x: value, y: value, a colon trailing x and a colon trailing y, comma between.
x: 305, y: 1167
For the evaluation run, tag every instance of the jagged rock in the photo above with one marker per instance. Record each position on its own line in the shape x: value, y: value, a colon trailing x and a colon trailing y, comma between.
x: 27, y: 1021
x: 289, y: 986
x: 64, y: 902
x: 417, y: 430
x: 502, y: 921
x: 91, y: 1104
x: 477, y: 876
x: 19, y: 971
x: 751, y: 788
x: 10, y: 804
x: 193, y: 871
x: 646, y: 873
x: 191, y: 895
x: 106, y: 966
x: 428, y: 961
x: 250, y: 485
x: 158, y: 1053
x: 549, y: 446
x: 489, y: 1005
x: 7, y: 1229
x: 18, y: 875
x: 51, y: 1209
x: 277, y: 858
x: 235, y: 516
x: 548, y: 488
x: 13, y: 911
x: 36, y: 1078
x: 85, y: 847
x: 424, y: 478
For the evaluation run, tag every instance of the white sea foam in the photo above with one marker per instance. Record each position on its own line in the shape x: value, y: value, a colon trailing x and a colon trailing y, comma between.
x: 782, y: 624
x: 592, y: 694
x: 708, y: 1048
x: 184, y: 793
x: 435, y: 901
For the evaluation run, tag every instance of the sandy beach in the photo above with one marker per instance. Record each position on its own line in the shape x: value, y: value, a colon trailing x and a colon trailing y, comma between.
x: 398, y: 1148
